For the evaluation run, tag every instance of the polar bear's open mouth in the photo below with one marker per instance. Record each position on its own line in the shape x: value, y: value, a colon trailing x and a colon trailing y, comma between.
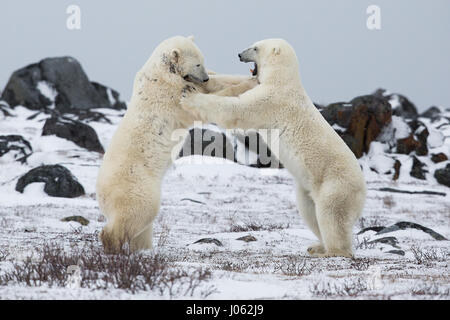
x: 254, y: 71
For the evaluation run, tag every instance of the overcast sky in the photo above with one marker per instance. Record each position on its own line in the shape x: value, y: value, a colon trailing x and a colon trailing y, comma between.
x: 339, y: 57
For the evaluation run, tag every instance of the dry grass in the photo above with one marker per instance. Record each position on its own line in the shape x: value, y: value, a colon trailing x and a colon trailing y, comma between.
x: 361, y: 264
x: 51, y: 265
x: 347, y: 288
x: 427, y: 257
x: 295, y: 266
x: 430, y: 289
x: 255, y: 226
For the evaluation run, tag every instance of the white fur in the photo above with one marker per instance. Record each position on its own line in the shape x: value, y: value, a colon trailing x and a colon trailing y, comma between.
x: 331, y: 189
x: 129, y: 180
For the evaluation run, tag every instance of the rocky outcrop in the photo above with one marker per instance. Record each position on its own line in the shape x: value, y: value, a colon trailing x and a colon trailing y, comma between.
x: 16, y: 147
x: 59, y: 181
x: 60, y: 84
x: 81, y: 134
x: 401, y: 105
x: 359, y: 121
x: 213, y: 143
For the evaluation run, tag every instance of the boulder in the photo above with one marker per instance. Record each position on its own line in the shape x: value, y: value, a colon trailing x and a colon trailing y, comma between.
x: 416, y: 141
x: 59, y: 181
x: 443, y: 175
x: 213, y: 143
x: 363, y: 119
x: 15, y: 146
x: 208, y: 143
x: 439, y: 157
x: 407, y: 145
x: 33, y: 86
x: 81, y: 134
x: 401, y: 105
x: 432, y: 113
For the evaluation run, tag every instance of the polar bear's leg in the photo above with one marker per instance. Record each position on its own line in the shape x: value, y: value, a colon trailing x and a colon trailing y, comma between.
x: 143, y: 240
x: 336, y: 217
x: 307, y: 210
x: 132, y: 217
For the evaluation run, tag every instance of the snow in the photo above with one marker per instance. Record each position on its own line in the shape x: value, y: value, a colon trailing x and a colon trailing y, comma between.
x: 48, y: 91
x: 401, y: 128
x: 275, y: 266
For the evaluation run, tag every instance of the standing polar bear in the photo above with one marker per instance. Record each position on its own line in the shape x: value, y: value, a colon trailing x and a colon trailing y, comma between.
x: 129, y: 179
x: 331, y: 189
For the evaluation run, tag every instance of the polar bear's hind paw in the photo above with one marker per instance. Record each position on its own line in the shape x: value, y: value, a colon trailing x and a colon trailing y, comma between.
x: 317, y: 248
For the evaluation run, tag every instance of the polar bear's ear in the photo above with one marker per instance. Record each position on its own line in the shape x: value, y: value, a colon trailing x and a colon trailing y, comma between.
x: 175, y: 55
x: 191, y: 37
x: 276, y: 51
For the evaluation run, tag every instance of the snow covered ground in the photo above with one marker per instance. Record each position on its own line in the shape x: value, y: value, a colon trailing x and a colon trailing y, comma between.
x: 226, y: 201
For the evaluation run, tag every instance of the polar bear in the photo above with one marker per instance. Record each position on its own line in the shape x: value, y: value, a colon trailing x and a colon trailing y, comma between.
x: 330, y: 185
x: 134, y: 164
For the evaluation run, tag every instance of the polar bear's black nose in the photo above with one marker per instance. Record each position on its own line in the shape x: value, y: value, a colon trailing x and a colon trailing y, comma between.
x: 206, y: 79
x: 239, y: 55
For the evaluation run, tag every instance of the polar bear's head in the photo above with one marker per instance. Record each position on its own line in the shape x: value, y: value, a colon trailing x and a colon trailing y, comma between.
x: 182, y: 57
x: 268, y: 53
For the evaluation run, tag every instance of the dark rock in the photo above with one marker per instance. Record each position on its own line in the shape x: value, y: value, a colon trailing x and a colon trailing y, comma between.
x: 407, y: 145
x: 210, y: 240
x: 248, y: 238
x: 417, y: 170
x: 16, y: 146
x: 376, y: 229
x: 397, y: 252
x: 439, y: 157
x: 431, y: 113
x: 192, y: 200
x: 422, y: 135
x: 110, y: 95
x: 66, y: 76
x: 403, y: 225
x: 21, y: 89
x: 59, y: 181
x: 363, y: 119
x: 397, y: 166
x: 212, y: 143
x: 208, y: 143
x: 81, y: 220
x: 413, y: 192
x: 443, y: 175
x: 253, y: 142
x: 81, y: 134
x: 404, y: 109
x: 392, y: 241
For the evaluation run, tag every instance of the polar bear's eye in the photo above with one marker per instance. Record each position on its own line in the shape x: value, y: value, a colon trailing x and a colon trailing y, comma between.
x: 198, y: 66
x: 256, y: 49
